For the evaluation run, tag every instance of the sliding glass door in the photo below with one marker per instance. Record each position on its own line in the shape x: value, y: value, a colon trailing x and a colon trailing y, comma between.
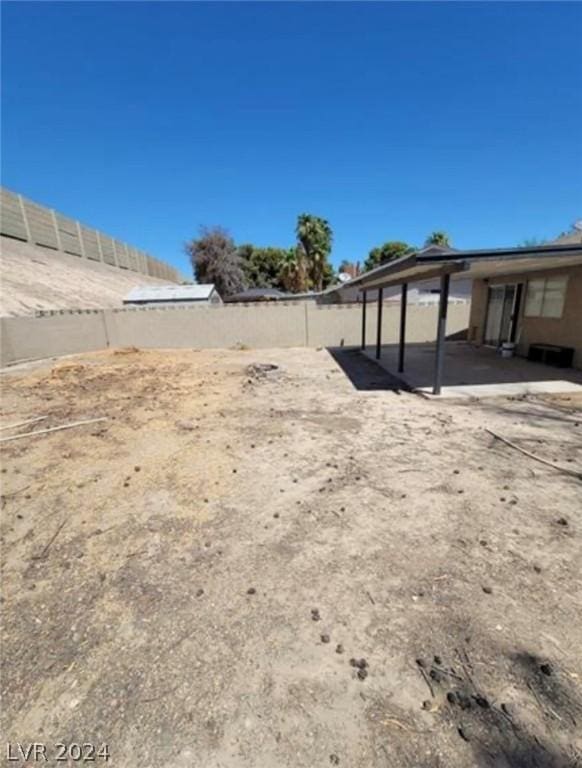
x: 502, y: 314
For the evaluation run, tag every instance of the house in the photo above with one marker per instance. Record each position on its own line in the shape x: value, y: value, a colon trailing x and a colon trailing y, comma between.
x: 255, y: 294
x: 532, y: 307
x: 426, y: 292
x: 529, y: 298
x: 173, y: 296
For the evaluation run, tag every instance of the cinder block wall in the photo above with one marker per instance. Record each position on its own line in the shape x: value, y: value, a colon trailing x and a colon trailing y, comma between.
x: 338, y: 325
x: 31, y: 338
x: 208, y: 327
x: 255, y: 326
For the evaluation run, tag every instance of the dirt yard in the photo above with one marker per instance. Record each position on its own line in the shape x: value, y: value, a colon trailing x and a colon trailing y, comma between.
x: 289, y: 567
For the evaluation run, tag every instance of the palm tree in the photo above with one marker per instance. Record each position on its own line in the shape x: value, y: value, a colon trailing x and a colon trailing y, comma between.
x: 438, y: 238
x: 315, y: 236
x: 293, y: 275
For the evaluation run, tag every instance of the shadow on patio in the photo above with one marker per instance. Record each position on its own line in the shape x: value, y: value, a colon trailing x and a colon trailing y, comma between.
x: 474, y: 372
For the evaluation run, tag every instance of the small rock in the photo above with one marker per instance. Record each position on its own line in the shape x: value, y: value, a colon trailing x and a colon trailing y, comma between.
x: 137, y: 469
x: 487, y: 590
x: 334, y: 759
x: 562, y: 521
x: 325, y: 638
x: 463, y: 700
x: 187, y: 426
x: 199, y: 592
x: 315, y: 614
x: 251, y: 591
x: 362, y: 674
x: 546, y: 669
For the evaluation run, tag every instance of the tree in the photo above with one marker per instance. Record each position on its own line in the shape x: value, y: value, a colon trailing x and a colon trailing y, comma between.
x: 293, y: 274
x: 315, y: 236
x: 438, y: 238
x: 393, y: 249
x: 329, y: 275
x: 261, y: 266
x: 215, y: 260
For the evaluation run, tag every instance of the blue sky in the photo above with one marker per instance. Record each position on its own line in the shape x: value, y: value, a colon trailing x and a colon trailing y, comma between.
x: 148, y: 120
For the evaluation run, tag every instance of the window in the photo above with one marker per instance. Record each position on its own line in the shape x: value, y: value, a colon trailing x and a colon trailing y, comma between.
x: 545, y: 298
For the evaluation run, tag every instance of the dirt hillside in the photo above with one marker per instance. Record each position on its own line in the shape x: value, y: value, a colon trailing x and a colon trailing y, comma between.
x: 34, y: 278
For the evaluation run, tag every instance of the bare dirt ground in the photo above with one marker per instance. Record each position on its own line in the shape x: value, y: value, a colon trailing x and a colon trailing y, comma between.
x: 294, y: 567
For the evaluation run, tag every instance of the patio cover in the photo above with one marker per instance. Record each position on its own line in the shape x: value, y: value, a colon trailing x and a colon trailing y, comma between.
x: 450, y: 264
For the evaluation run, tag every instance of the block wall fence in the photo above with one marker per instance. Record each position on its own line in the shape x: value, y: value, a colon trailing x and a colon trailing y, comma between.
x: 214, y: 327
x: 25, y: 220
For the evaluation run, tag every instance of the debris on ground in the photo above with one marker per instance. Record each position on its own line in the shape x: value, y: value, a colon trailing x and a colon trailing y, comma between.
x: 134, y: 622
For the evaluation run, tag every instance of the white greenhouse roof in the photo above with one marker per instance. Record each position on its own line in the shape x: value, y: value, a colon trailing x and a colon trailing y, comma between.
x: 166, y: 293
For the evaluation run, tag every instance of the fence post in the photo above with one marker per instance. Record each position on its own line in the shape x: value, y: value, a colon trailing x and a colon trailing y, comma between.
x: 26, y: 225
x: 81, y: 243
x: 99, y: 247
x: 56, y: 226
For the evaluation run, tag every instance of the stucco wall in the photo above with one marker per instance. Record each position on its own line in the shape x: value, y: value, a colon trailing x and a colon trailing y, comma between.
x: 339, y: 325
x: 24, y: 338
x: 208, y: 327
x: 565, y: 331
x: 255, y: 326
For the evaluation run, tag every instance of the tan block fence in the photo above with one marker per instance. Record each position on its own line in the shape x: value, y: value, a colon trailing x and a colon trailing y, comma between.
x: 255, y: 326
x: 25, y: 220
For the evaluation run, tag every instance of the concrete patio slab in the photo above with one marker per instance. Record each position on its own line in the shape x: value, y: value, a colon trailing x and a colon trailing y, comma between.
x: 476, y: 372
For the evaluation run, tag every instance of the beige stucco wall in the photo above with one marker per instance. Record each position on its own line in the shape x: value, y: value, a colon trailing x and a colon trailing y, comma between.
x: 265, y: 325
x: 25, y: 338
x: 255, y: 326
x: 337, y: 325
x: 565, y: 331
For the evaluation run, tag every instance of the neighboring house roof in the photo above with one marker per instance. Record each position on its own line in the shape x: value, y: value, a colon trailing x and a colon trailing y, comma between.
x: 571, y: 238
x: 257, y: 294
x: 143, y: 294
x: 268, y: 294
x: 436, y: 250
